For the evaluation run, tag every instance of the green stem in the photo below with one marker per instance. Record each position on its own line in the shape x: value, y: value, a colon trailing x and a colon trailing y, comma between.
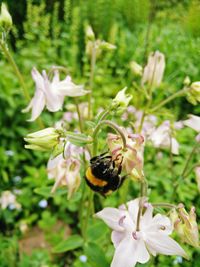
x: 16, y: 70
x: 189, y: 159
x: 90, y: 210
x: 183, y: 174
x: 170, y: 98
x: 19, y: 76
x: 112, y: 125
x: 143, y: 191
x: 91, y: 81
x: 191, y: 169
x: 164, y: 205
x: 79, y: 116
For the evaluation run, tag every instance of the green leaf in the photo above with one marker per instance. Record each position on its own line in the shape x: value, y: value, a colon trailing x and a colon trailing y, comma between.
x: 45, y: 191
x: 96, y: 255
x: 95, y: 230
x: 73, y: 242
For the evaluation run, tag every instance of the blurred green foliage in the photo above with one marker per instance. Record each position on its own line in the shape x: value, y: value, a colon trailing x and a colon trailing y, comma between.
x: 50, y: 33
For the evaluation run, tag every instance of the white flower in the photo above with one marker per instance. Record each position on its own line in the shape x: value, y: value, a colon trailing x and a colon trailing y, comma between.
x: 51, y: 93
x: 154, y: 70
x: 193, y: 122
x: 121, y: 100
x: 66, y: 170
x: 134, y: 245
x: 8, y: 199
x: 161, y: 137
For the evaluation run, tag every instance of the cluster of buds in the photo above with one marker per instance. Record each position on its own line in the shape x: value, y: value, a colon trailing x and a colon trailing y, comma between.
x: 131, y: 156
x: 185, y: 225
x: 5, y: 19
x: 97, y: 45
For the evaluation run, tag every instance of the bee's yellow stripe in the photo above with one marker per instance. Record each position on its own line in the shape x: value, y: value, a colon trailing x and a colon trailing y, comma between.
x: 93, y: 180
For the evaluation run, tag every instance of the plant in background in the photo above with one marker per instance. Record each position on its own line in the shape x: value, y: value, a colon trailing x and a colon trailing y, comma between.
x: 82, y: 151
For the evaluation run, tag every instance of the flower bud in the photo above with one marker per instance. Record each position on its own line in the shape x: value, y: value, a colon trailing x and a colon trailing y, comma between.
x: 121, y: 100
x: 5, y: 18
x: 43, y: 140
x: 187, y: 81
x: 106, y: 46
x: 154, y: 70
x: 186, y: 226
x: 89, y: 33
x: 136, y: 69
x: 194, y: 93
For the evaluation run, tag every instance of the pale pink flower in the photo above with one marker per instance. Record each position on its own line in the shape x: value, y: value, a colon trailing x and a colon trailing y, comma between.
x: 132, y: 245
x: 154, y: 70
x: 161, y: 138
x: 66, y: 170
x: 193, y: 122
x: 51, y: 93
x: 132, y: 156
x: 8, y: 199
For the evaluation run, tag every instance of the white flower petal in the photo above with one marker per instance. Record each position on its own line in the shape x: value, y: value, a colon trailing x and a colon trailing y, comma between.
x: 69, y: 89
x: 133, y: 207
x: 175, y: 146
x: 117, y: 237
x: 160, y: 224
x: 193, y: 122
x: 56, y: 77
x: 111, y: 216
x: 129, y: 252
x: 37, y: 104
x: 54, y: 102
x: 125, y: 253
x: 162, y: 244
x: 141, y: 251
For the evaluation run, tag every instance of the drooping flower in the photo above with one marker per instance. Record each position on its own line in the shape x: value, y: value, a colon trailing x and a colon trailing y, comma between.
x: 186, y: 225
x: 161, y: 137
x: 51, y: 93
x: 134, y: 245
x: 154, y: 70
x: 66, y: 170
x: 8, y: 200
x: 43, y: 140
x: 193, y: 122
x: 131, y: 156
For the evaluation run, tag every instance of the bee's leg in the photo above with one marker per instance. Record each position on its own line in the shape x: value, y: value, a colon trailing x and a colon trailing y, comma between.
x: 122, y: 179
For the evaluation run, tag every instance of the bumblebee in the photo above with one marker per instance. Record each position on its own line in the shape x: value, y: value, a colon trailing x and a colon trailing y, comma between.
x: 103, y: 176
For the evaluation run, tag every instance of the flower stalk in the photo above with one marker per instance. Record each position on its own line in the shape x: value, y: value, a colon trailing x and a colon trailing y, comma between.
x: 91, y: 81
x: 112, y: 125
x: 170, y: 98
